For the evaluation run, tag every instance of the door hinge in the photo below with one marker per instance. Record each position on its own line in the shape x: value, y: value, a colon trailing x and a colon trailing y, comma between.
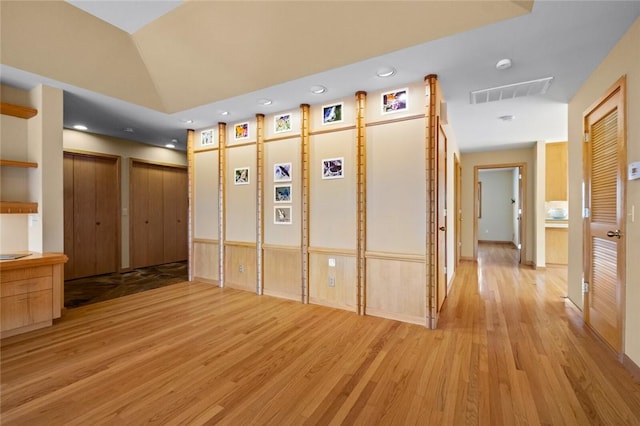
x: 445, y: 270
x: 585, y: 287
x: 586, y: 137
x: 586, y: 212
x: 519, y: 177
x: 519, y: 246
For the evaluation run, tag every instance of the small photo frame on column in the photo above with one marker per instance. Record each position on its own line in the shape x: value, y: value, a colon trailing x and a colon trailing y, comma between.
x: 282, y: 123
x: 282, y: 215
x: 241, y: 176
x: 282, y: 193
x: 333, y: 168
x: 241, y: 131
x: 282, y: 172
x: 394, y: 101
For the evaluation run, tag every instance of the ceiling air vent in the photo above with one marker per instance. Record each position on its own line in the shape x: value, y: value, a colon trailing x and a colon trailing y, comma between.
x: 510, y: 91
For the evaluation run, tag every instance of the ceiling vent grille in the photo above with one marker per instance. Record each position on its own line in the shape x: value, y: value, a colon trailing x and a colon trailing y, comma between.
x: 511, y: 91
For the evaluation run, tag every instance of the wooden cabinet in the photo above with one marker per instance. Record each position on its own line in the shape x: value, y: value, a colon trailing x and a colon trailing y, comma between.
x: 556, y: 246
x: 91, y: 214
x: 159, y: 211
x: 556, y: 175
x: 32, y: 292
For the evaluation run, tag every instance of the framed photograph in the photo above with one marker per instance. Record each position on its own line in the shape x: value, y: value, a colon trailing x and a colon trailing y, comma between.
x: 332, y: 113
x: 282, y: 123
x: 394, y: 101
x: 333, y: 168
x: 282, y: 172
x: 241, y: 176
x: 206, y: 137
x: 282, y: 215
x: 282, y: 194
x: 242, y: 131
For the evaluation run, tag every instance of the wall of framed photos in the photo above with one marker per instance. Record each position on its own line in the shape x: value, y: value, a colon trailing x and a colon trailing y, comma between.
x: 326, y: 204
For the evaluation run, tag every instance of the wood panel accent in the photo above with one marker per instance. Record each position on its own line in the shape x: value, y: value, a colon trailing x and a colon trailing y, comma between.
x: 419, y: 258
x: 191, y: 199
x: 305, y: 151
x: 557, y: 246
x: 396, y: 120
x: 166, y: 356
x: 259, y: 202
x: 328, y: 250
x: 556, y: 171
x: 431, y: 148
x: 22, y: 164
x: 333, y: 130
x: 397, y: 289
x: 343, y: 293
x: 222, y: 200
x: 281, y: 138
x: 361, y: 182
x: 240, y: 265
x: 457, y: 208
x: 18, y: 207
x: 205, y: 261
x: 282, y: 272
x: 17, y: 110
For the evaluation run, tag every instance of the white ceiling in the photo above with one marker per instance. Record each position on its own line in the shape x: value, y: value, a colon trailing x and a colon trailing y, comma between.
x: 561, y: 39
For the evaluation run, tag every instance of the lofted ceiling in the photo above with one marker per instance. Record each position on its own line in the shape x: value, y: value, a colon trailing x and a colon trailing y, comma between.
x: 152, y: 65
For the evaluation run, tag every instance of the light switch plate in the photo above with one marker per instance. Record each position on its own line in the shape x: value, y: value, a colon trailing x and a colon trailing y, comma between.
x: 332, y: 262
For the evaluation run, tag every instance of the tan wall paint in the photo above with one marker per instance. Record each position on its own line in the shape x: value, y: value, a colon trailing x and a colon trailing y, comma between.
x: 240, y: 200
x: 623, y: 59
x: 206, y: 195
x: 82, y: 141
x: 468, y: 162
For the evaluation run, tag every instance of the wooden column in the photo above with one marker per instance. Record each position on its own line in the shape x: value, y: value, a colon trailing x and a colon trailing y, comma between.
x: 361, y: 293
x: 191, y: 210
x: 304, y: 138
x: 259, y: 203
x: 222, y: 165
x: 430, y: 163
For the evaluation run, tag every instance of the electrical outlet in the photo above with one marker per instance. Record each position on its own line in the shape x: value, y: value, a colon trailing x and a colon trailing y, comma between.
x: 332, y: 282
x: 241, y: 268
x: 332, y: 262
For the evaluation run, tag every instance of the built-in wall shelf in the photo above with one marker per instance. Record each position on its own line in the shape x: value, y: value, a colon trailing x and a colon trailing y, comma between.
x: 17, y: 110
x: 18, y: 207
x: 14, y: 163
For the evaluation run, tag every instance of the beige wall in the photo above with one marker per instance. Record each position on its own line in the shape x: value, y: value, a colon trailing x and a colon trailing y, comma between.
x: 468, y: 162
x: 88, y: 142
x: 623, y: 59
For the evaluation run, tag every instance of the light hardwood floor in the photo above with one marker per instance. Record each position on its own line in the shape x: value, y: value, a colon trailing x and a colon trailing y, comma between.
x: 510, y: 350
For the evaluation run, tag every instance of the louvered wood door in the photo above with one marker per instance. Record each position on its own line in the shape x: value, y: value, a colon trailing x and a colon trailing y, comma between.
x: 604, y: 227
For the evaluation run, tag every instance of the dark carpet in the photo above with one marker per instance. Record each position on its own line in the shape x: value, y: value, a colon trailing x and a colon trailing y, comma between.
x: 84, y: 291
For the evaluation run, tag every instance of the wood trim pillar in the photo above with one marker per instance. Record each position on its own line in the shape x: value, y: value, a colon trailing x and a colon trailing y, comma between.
x: 305, y: 178
x: 361, y: 292
x: 259, y: 203
x: 431, y: 171
x: 191, y: 210
x: 222, y: 166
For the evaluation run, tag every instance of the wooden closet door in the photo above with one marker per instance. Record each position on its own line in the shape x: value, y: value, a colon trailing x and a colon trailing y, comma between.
x: 138, y: 215
x: 182, y: 214
x: 84, y: 217
x: 107, y: 211
x: 69, y: 270
x: 169, y: 177
x: 155, y: 236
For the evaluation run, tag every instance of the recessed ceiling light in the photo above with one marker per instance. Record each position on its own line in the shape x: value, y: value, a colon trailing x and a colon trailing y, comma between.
x: 265, y: 102
x: 503, y: 64
x: 128, y: 130
x: 174, y: 140
x: 187, y: 121
x: 80, y: 127
x: 170, y: 145
x: 386, y: 72
x: 224, y: 113
x: 507, y: 117
x: 318, y: 90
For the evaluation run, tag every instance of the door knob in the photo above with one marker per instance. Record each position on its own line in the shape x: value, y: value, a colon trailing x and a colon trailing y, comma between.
x: 442, y: 228
x: 615, y: 233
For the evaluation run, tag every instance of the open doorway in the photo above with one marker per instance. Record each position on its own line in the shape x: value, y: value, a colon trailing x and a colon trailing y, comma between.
x: 499, y: 199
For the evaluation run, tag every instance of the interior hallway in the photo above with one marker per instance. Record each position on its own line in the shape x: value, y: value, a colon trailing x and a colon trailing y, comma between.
x: 509, y: 350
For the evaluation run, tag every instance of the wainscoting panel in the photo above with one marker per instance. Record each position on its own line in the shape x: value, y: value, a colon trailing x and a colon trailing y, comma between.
x: 282, y: 272
x: 205, y: 266
x: 396, y: 288
x: 240, y: 265
x: 333, y: 286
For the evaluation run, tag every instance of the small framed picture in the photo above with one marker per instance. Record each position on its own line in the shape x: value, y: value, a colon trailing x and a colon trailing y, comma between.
x: 282, y: 194
x: 282, y: 215
x: 242, y: 131
x: 282, y: 123
x: 333, y: 168
x: 206, y: 137
x: 394, y: 101
x: 282, y: 172
x: 332, y: 113
x: 241, y: 176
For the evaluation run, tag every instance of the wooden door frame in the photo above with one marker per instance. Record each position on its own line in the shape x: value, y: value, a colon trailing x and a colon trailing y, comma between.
x: 621, y: 198
x: 523, y: 182
x: 441, y: 133
x: 118, y: 160
x: 457, y: 203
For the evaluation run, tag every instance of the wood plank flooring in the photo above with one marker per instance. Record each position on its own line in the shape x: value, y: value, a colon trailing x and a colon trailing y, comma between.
x: 510, y: 350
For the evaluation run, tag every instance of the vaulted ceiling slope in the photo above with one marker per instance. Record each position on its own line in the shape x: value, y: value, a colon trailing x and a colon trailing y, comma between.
x: 205, y: 51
